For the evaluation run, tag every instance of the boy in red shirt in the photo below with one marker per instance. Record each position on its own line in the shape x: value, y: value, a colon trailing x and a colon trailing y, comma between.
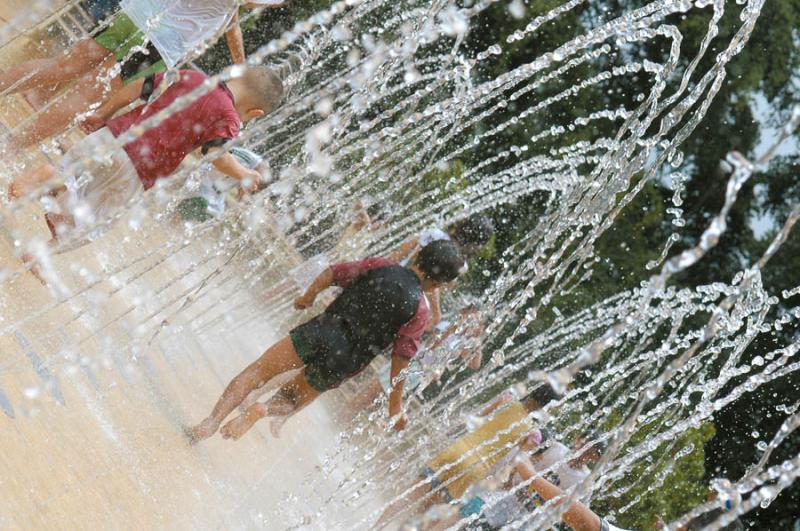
x: 382, y: 304
x: 100, y: 176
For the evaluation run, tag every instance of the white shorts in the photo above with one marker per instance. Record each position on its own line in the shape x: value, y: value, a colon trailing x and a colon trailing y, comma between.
x: 101, y: 182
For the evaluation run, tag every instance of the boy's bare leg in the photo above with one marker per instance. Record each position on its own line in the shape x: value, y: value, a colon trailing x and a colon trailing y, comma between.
x: 30, y: 182
x: 272, y: 385
x: 279, y: 358
x: 58, y: 115
x: 39, y: 96
x: 79, y: 60
x: 290, y: 399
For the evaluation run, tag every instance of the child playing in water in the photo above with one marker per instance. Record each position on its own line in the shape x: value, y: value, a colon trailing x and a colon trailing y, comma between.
x: 382, y: 304
x: 562, y: 471
x: 146, y: 37
x: 471, y: 235
x: 474, y: 456
x: 448, y: 342
x: 214, y: 186
x: 101, y: 177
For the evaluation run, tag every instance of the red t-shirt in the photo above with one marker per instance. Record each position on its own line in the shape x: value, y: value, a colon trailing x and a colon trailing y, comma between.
x: 209, y: 120
x: 406, y: 343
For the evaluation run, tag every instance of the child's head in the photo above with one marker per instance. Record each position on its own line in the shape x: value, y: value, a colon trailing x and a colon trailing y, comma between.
x: 472, y: 233
x: 259, y: 91
x: 439, y: 262
x: 539, y: 397
x: 593, y: 453
x: 469, y: 310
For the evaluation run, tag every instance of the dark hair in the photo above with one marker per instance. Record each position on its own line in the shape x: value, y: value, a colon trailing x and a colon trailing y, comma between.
x: 473, y: 233
x: 440, y: 261
x: 543, y: 395
x: 594, y: 439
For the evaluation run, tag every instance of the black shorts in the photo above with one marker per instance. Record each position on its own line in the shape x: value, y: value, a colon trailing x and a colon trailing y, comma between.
x: 140, y: 62
x: 323, y: 345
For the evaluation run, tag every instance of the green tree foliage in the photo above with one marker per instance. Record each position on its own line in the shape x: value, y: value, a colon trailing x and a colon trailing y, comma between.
x: 663, y: 487
x: 765, y: 71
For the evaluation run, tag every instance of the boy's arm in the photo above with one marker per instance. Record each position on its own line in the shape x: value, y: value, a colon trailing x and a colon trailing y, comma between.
x: 235, y: 40
x: 504, y: 398
x: 403, y: 251
x: 228, y: 165
x: 320, y: 284
x: 234, y: 34
x: 578, y: 516
x: 118, y: 99
x: 436, y: 309
x: 396, y: 395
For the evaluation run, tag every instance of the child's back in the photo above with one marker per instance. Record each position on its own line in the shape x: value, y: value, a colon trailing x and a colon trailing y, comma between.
x: 206, y: 122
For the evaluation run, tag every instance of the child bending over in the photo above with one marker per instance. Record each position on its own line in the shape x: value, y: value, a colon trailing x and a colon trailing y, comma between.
x: 101, y: 177
x: 382, y: 304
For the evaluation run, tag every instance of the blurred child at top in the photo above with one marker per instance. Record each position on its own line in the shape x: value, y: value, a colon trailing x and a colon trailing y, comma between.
x: 101, y: 177
x: 144, y: 37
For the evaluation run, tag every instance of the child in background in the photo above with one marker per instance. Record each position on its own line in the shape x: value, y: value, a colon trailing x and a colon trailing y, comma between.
x: 473, y: 457
x: 214, y: 187
x: 101, y: 177
x: 146, y: 37
x: 458, y: 339
x: 382, y: 304
x: 449, y: 342
x: 578, y: 516
x: 471, y: 235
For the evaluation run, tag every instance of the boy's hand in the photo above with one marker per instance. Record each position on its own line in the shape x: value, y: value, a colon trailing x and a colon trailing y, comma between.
x: 251, y: 181
x: 400, y: 422
x: 91, y: 123
x: 303, y: 302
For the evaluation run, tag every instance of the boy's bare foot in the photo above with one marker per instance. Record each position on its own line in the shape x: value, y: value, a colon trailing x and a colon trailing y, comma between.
x: 30, y: 262
x: 202, y: 431
x: 251, y: 398
x: 241, y: 424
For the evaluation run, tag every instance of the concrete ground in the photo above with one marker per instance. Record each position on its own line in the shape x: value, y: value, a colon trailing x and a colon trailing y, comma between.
x: 98, y: 375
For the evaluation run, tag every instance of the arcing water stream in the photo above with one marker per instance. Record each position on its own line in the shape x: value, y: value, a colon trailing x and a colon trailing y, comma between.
x: 386, y: 101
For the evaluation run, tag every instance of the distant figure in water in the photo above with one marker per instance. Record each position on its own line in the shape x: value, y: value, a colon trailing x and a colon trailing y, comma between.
x: 215, y: 185
x: 382, y: 304
x: 471, y: 235
x: 101, y: 177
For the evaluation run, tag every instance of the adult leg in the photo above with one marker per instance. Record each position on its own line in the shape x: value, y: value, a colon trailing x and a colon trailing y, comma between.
x: 58, y: 115
x: 289, y: 399
x: 279, y: 358
x: 79, y: 60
